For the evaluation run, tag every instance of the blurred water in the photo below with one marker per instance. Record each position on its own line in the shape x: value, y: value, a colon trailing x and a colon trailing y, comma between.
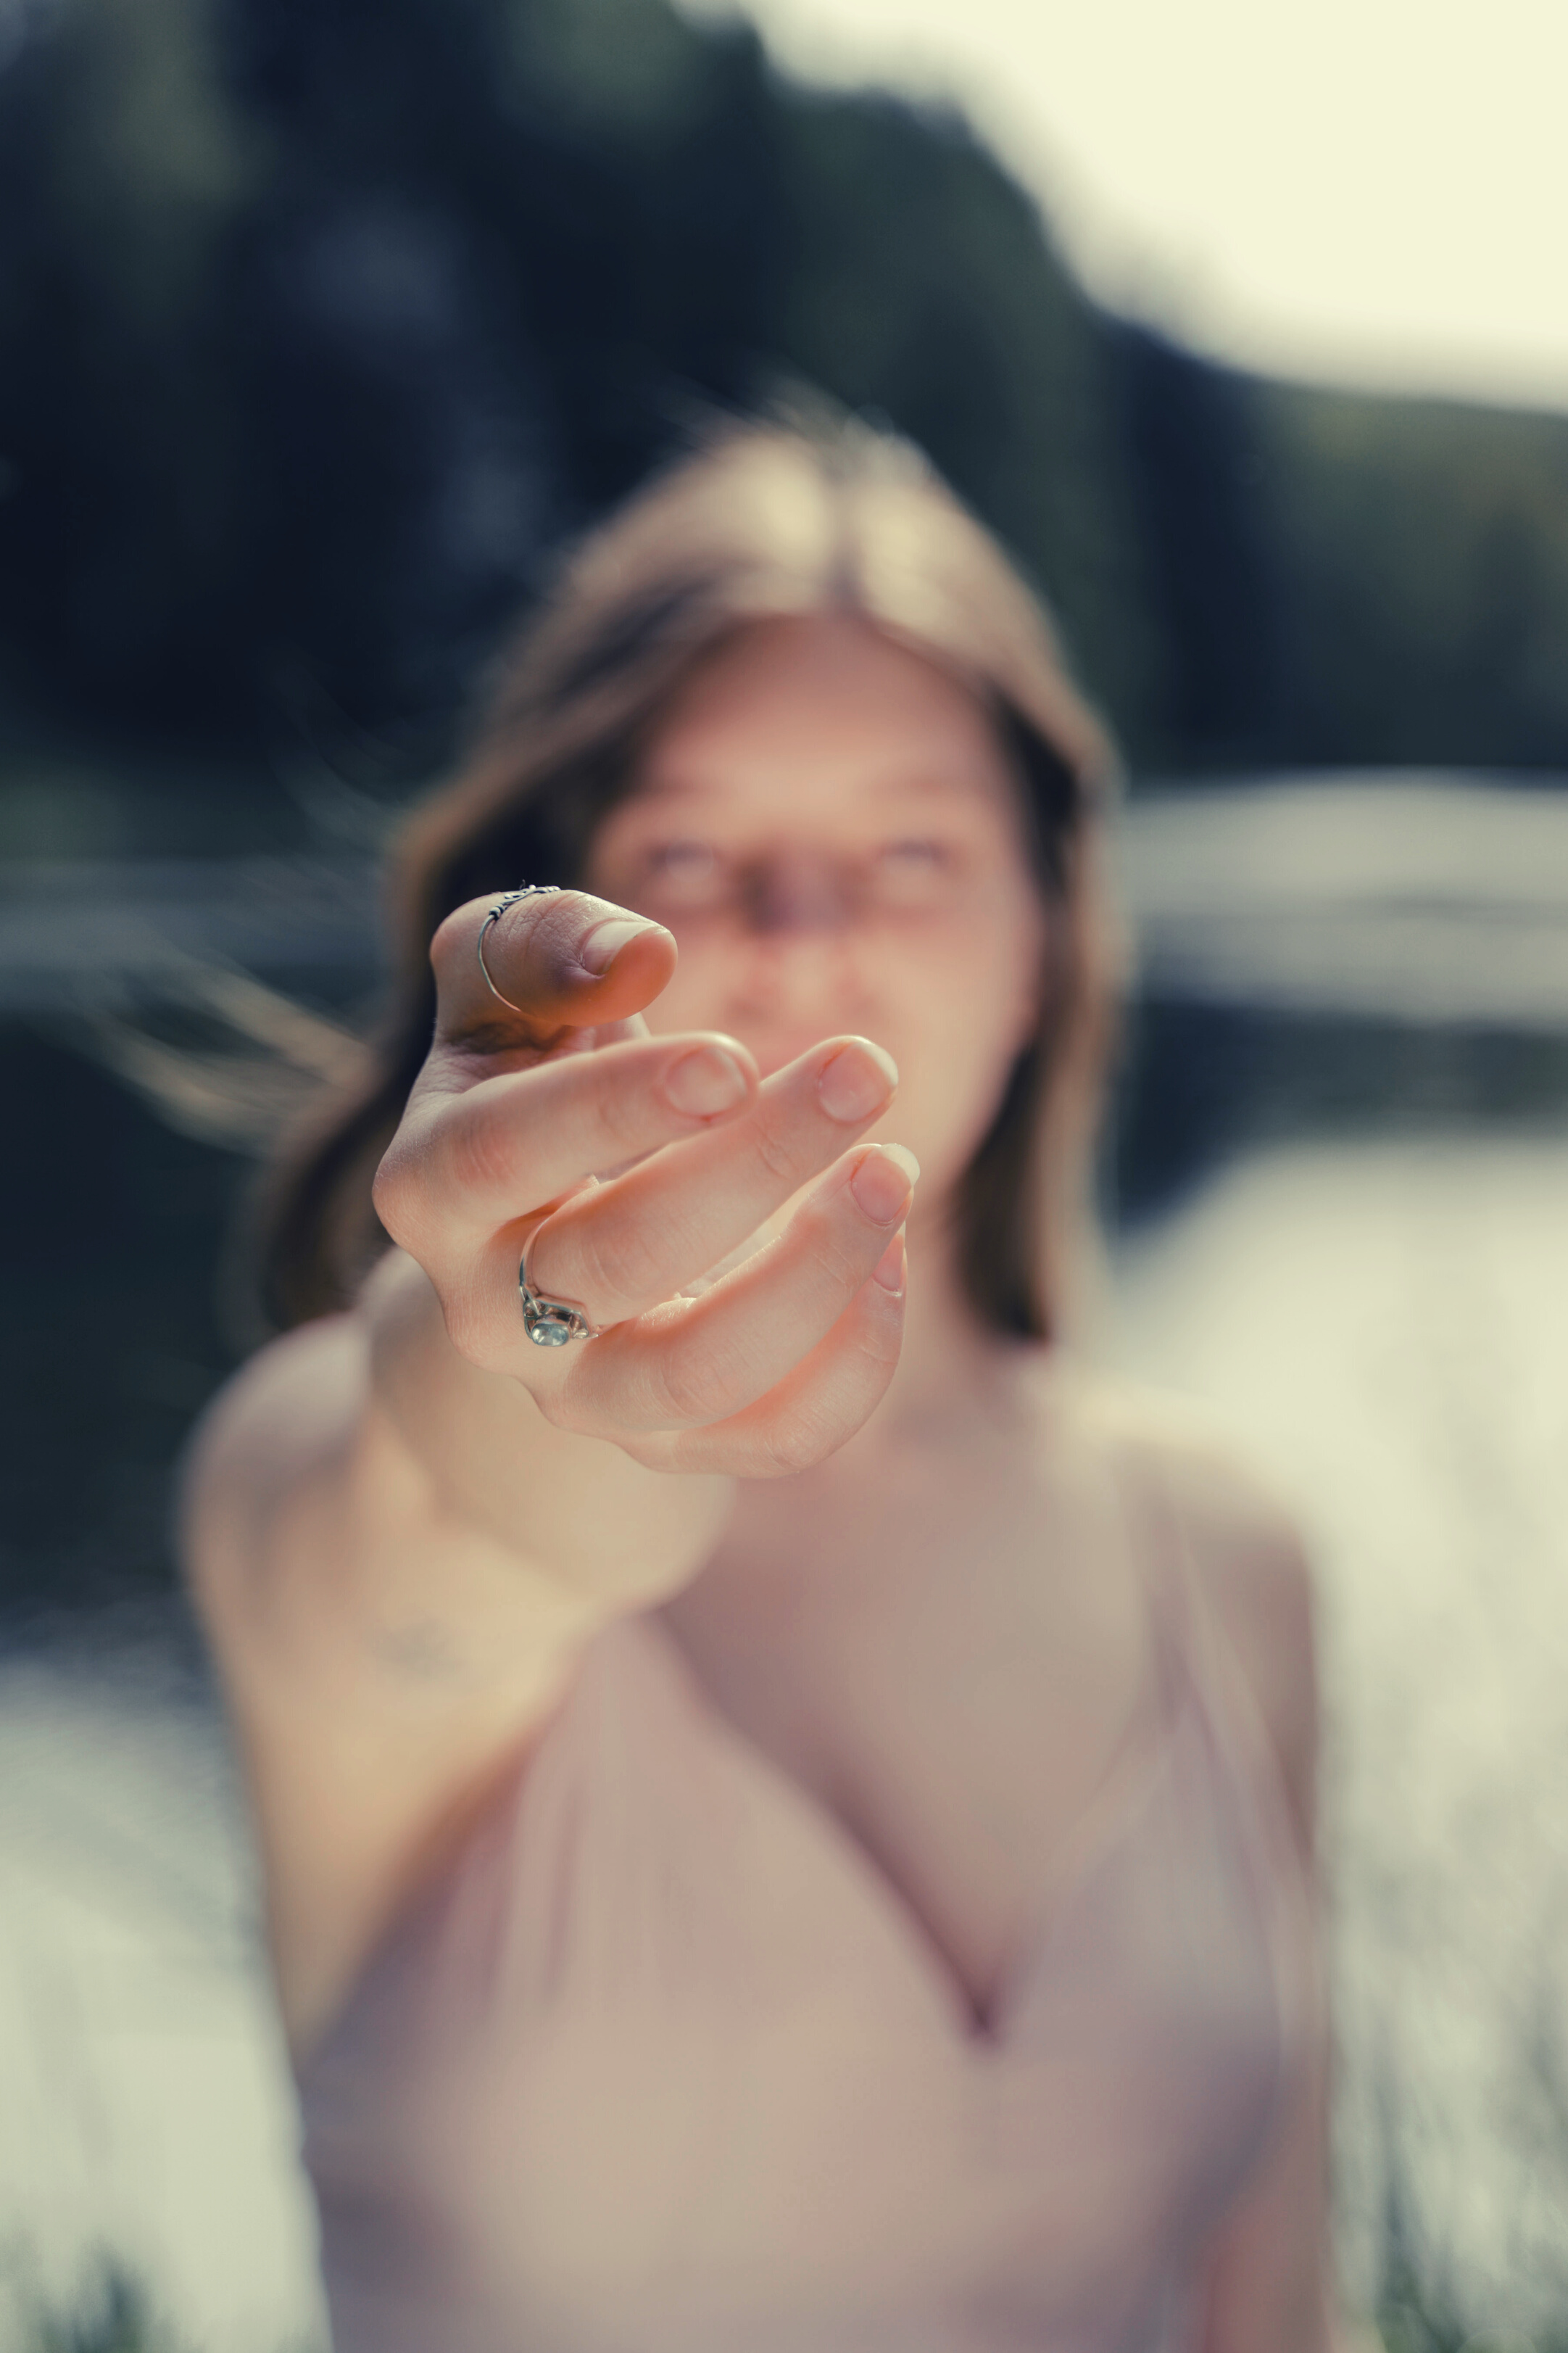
x: 146, y: 2113
x: 1382, y: 1326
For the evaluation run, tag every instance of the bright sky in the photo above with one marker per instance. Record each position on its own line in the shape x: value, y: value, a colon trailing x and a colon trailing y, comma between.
x: 1371, y: 191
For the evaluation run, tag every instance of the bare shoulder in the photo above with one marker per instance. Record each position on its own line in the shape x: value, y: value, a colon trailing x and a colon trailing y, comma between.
x: 285, y: 1415
x: 1249, y: 1556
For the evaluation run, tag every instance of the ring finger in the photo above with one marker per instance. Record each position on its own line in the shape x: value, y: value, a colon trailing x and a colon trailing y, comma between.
x: 691, y: 1361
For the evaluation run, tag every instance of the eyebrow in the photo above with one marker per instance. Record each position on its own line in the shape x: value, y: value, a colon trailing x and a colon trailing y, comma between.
x: 933, y: 784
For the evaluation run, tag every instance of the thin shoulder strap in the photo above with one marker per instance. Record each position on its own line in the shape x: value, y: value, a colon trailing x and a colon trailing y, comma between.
x: 1195, y: 1642
x: 1161, y: 1542
x: 1215, y: 1670
x: 1199, y: 1651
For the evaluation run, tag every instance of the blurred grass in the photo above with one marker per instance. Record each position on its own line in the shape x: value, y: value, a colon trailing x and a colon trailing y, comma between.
x: 114, y: 2312
x: 117, y: 2313
x: 1410, y: 2323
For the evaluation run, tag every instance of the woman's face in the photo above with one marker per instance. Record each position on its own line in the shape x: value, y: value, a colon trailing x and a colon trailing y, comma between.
x: 832, y: 830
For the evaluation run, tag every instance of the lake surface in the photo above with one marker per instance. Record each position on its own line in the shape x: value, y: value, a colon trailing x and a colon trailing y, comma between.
x: 1382, y: 1326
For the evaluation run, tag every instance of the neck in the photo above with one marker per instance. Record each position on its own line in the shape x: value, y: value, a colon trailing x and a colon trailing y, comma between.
x: 953, y: 1371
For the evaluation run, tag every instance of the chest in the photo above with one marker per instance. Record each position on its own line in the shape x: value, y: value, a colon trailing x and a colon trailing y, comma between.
x: 688, y: 2081
x: 960, y: 1670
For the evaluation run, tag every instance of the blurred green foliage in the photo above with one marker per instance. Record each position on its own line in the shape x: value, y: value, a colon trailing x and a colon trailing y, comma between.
x: 1429, y: 552
x: 320, y: 323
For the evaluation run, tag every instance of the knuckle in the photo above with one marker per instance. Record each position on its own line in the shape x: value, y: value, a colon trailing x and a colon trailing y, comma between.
x: 621, y: 1112
x: 398, y: 1194
x: 479, y: 1150
x: 559, y: 1411
x: 829, y: 1249
x: 792, y: 1445
x: 882, y: 1342
x: 575, y: 1393
x: 617, y: 1261
x: 881, y: 1334
x: 683, y: 1382
x: 772, y: 1145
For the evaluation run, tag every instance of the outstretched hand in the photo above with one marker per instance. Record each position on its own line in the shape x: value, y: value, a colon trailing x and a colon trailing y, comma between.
x: 632, y: 1169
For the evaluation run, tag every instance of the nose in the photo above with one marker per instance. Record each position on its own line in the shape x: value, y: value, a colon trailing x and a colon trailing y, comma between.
x: 797, y: 891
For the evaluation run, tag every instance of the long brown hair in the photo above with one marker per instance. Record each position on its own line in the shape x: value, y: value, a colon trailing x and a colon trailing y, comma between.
x: 766, y: 520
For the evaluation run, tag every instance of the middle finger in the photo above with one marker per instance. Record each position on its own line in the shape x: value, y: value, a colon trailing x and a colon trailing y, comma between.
x: 646, y: 1235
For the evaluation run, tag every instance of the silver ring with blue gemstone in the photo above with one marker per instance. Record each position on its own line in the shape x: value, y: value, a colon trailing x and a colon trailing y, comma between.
x: 550, y: 1323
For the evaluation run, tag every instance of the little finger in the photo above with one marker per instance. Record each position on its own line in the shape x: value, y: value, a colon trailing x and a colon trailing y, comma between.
x: 694, y: 1361
x: 819, y: 1405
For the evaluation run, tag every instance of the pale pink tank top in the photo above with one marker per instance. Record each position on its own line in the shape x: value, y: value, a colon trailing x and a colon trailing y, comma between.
x: 664, y: 2065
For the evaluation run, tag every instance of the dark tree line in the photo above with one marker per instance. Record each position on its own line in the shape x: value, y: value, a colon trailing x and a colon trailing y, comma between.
x: 320, y: 321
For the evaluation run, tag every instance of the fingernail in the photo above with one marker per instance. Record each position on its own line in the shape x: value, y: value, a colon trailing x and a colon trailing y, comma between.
x: 597, y: 949
x: 891, y: 1267
x: 704, y: 1081
x: 858, y: 1081
x: 882, y: 1181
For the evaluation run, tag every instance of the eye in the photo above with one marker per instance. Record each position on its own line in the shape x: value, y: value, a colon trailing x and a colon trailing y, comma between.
x: 915, y: 871
x: 684, y: 873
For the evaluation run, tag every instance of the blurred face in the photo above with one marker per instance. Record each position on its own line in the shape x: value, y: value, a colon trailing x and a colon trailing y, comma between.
x: 831, y: 829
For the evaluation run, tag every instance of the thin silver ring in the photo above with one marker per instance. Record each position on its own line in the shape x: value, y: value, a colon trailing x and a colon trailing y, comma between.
x: 527, y: 891
x: 550, y: 1323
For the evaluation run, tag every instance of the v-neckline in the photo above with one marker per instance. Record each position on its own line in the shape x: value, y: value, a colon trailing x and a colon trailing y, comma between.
x: 1134, y: 1770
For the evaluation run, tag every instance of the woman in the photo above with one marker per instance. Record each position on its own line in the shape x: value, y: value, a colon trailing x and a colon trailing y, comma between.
x: 787, y: 1812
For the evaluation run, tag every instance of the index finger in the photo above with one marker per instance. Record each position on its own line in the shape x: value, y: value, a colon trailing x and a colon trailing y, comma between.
x: 564, y: 960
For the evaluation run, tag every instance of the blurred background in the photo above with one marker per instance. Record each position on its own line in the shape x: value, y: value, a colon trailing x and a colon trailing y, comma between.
x: 320, y: 324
